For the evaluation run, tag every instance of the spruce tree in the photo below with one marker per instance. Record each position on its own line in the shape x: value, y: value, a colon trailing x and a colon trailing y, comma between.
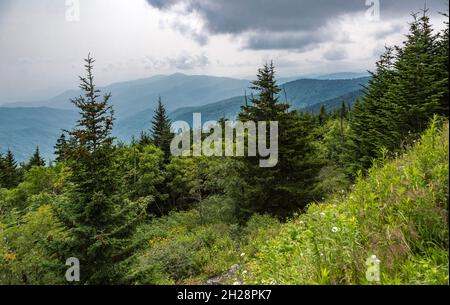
x: 287, y: 187
x: 9, y: 173
x: 161, y: 132
x: 61, y: 148
x: 407, y: 89
x: 417, y: 89
x: 36, y: 159
x: 323, y: 115
x: 95, y: 213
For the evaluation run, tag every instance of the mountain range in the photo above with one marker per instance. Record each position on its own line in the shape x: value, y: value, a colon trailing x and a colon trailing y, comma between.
x: 25, y: 125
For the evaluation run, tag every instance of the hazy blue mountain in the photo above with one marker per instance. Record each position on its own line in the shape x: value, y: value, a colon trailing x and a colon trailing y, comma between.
x: 306, y: 92
x: 302, y: 94
x: 342, y: 75
x: 177, y: 90
x: 335, y: 103
x: 22, y: 129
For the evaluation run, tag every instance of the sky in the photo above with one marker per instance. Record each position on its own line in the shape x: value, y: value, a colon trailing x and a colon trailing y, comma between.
x: 43, y: 42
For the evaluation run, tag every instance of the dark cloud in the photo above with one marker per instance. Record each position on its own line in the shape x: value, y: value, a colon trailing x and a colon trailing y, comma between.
x: 269, y: 22
x: 300, y: 41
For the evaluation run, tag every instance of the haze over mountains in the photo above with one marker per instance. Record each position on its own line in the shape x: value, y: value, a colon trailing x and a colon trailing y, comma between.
x: 25, y: 125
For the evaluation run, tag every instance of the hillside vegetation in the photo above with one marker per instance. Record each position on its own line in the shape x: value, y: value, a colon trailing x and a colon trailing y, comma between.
x: 399, y: 213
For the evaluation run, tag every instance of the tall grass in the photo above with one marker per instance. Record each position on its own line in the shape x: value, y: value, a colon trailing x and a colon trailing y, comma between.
x: 399, y: 213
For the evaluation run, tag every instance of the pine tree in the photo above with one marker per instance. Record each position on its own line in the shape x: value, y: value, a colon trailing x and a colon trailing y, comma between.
x: 61, y: 148
x: 161, y: 132
x: 95, y: 213
x: 287, y: 186
x: 9, y: 173
x: 36, y: 159
x: 323, y: 115
x: 144, y: 139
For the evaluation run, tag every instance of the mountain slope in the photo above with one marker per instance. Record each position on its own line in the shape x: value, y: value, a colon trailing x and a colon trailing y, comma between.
x: 177, y: 90
x: 305, y: 94
x: 399, y: 214
x: 22, y: 129
x: 133, y: 105
x: 335, y: 103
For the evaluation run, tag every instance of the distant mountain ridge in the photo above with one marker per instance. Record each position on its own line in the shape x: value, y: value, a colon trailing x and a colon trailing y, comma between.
x: 177, y: 90
x: 303, y: 94
x: 23, y: 128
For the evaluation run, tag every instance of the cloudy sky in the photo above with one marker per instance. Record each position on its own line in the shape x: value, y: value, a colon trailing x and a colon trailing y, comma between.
x: 42, y: 42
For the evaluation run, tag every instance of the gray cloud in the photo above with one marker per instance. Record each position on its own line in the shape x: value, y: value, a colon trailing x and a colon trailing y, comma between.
x: 300, y: 41
x: 336, y: 54
x: 182, y: 62
x: 271, y: 22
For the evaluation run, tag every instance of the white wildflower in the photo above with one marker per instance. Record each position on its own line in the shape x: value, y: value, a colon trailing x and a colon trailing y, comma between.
x: 335, y: 229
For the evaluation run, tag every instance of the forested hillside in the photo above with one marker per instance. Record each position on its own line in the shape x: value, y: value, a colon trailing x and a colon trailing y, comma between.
x: 353, y: 188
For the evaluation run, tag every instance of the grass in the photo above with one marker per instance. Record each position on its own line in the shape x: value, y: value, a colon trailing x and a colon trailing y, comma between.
x: 399, y: 213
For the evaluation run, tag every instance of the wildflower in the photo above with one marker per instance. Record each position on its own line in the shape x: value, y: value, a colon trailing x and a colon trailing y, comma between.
x: 335, y: 229
x: 242, y: 254
x: 375, y: 259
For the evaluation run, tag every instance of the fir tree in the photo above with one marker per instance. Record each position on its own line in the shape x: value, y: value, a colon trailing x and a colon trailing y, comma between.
x: 36, y: 159
x: 95, y: 213
x: 161, y: 132
x: 9, y: 173
x: 323, y: 115
x: 404, y: 93
x: 61, y: 148
x: 287, y: 186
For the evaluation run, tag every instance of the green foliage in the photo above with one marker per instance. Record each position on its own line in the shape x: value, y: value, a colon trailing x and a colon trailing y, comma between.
x: 186, y: 247
x: 398, y: 213
x: 27, y: 255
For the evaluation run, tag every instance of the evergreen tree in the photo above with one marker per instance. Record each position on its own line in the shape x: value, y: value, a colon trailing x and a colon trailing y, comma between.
x: 161, y: 132
x: 287, y: 186
x: 442, y: 66
x: 417, y: 89
x: 407, y: 89
x: 60, y: 148
x: 9, y: 173
x: 145, y: 139
x: 323, y: 115
x: 95, y: 213
x: 36, y: 159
